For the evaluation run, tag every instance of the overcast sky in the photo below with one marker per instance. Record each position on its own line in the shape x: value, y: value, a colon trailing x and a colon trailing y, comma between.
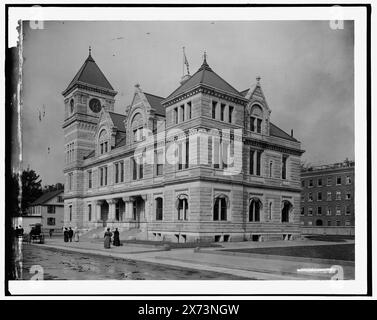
x: 306, y: 69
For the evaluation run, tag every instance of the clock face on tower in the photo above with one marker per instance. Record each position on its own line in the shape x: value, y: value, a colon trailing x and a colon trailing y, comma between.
x: 95, y: 105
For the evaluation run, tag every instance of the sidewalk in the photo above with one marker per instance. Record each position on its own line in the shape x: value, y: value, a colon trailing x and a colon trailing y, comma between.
x: 252, y: 267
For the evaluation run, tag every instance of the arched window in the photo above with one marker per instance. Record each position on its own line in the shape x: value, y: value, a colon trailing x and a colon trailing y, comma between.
x: 159, y: 208
x: 103, y: 142
x: 220, y: 208
x: 182, y: 207
x: 286, y: 209
x: 137, y: 127
x: 255, y: 207
x: 256, y: 118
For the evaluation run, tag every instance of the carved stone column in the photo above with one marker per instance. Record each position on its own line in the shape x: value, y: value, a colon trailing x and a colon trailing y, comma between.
x: 112, y: 203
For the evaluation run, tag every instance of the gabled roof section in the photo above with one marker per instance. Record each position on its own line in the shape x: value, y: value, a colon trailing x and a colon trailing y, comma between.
x: 277, y: 132
x: 155, y: 102
x: 90, y: 74
x: 205, y: 76
x: 46, y: 197
x: 118, y: 120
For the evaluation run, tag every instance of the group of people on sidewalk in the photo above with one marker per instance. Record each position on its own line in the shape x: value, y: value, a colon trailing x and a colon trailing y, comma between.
x: 69, y: 234
x: 107, y: 236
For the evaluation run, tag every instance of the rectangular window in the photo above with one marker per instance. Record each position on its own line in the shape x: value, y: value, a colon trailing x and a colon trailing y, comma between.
x: 302, y: 211
x: 338, y: 195
x: 189, y: 110
x: 222, y: 114
x: 252, y: 125
x: 270, y: 169
x: 176, y: 115
x: 182, y: 109
x: 105, y: 169
x: 134, y: 169
x: 338, y: 212
x: 101, y: 147
x: 338, y: 180
x: 348, y: 210
x: 187, y: 153
x: 259, y: 156
x: 310, y: 196
x: 337, y: 223
x: 284, y: 167
x: 90, y: 179
x: 116, y: 172
x: 347, y: 223
x: 141, y: 170
x: 214, y: 107
x: 121, y: 164
x: 70, y: 213
x: 319, y: 211
x: 231, y: 114
x: 50, y: 209
x: 329, y: 181
x: 159, y: 162
x: 50, y: 221
x: 60, y: 199
x: 303, y: 183
x: 348, y: 196
x: 259, y: 125
x: 319, y: 182
x: 103, y: 176
x: 329, y: 223
x: 310, y: 211
x: 251, y: 160
x: 348, y: 180
x: 319, y: 196
x: 328, y: 211
x: 311, y: 183
x: 89, y: 212
x: 328, y: 196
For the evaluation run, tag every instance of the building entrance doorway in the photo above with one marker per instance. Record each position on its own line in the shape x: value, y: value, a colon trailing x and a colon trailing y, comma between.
x: 104, y: 213
x: 138, y: 210
x: 287, y: 207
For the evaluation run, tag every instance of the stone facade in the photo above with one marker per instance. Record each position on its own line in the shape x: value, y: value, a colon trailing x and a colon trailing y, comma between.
x: 216, y: 193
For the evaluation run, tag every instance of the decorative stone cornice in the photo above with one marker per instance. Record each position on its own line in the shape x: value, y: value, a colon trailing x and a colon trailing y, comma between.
x: 206, y: 90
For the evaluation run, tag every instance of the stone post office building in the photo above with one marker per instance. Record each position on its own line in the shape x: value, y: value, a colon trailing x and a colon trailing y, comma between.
x: 106, y: 184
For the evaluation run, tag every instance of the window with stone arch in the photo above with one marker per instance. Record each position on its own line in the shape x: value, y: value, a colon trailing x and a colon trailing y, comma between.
x: 159, y: 202
x: 255, y: 208
x: 137, y: 124
x: 182, y: 207
x: 256, y: 118
x: 103, y: 142
x: 220, y: 208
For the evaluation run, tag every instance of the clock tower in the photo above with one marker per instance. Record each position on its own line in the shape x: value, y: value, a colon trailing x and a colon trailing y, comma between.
x: 85, y: 96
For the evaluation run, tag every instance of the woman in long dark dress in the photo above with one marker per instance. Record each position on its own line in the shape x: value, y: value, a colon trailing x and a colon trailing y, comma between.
x: 65, y: 235
x: 107, y: 237
x: 116, y: 241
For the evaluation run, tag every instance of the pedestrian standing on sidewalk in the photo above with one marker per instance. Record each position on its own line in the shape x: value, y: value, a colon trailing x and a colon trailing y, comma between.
x: 107, y: 237
x: 116, y: 241
x: 66, y: 235
x: 50, y: 232
x: 70, y: 234
x: 76, y: 235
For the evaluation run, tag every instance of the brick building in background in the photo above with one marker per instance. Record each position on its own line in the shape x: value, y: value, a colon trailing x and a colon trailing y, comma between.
x: 106, y: 185
x: 327, y: 198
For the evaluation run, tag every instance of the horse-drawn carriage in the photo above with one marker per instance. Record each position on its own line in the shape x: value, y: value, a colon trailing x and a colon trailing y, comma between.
x: 36, y: 235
